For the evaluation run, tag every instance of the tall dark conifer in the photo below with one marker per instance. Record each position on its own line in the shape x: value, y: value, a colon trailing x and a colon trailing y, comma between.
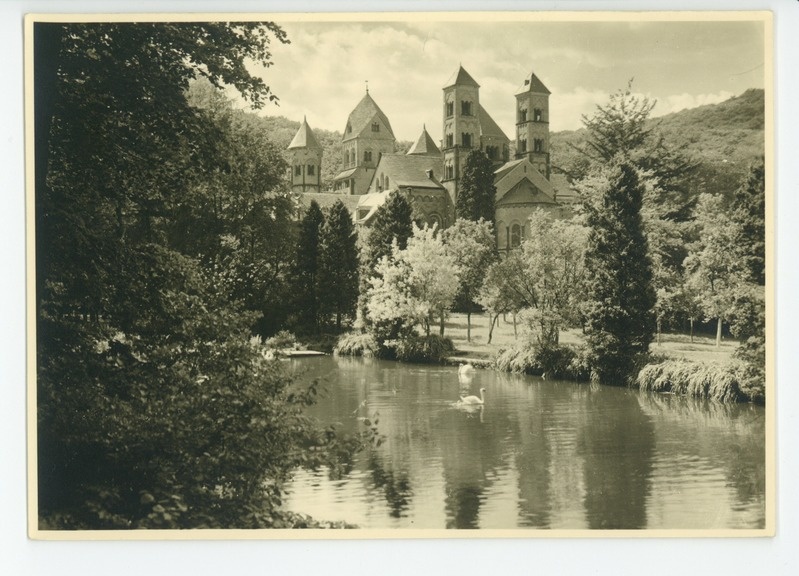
x: 476, y: 195
x: 392, y: 221
x: 338, y: 264
x: 621, y: 298
x: 306, y: 269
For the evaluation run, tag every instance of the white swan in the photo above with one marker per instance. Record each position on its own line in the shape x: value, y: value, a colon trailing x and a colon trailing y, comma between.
x: 474, y: 399
x: 465, y: 369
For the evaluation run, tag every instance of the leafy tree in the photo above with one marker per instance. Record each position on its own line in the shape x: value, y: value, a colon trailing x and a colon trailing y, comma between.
x: 714, y: 266
x: 553, y: 256
x: 416, y: 285
x: 154, y: 407
x: 338, y: 264
x: 749, y: 216
x: 306, y: 275
x: 623, y: 128
x: 472, y: 245
x: 507, y: 288
x: 477, y: 193
x: 392, y: 223
x: 620, y: 294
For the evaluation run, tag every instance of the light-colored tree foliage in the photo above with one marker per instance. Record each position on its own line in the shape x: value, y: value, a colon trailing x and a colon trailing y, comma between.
x: 543, y: 278
x: 471, y: 244
x: 553, y: 257
x: 714, y: 267
x: 415, y: 285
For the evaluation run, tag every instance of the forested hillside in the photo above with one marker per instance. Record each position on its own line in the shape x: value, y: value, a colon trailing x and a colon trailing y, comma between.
x: 725, y: 138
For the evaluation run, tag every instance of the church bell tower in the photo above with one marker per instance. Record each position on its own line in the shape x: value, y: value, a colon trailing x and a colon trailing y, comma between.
x: 532, y: 123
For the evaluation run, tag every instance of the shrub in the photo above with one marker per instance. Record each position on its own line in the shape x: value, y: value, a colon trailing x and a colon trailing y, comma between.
x: 356, y: 344
x: 282, y: 340
x: 721, y: 383
x: 432, y: 348
x: 554, y: 361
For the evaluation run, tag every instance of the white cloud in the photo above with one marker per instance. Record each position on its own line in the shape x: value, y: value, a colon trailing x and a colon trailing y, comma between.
x: 677, y: 102
x: 567, y: 109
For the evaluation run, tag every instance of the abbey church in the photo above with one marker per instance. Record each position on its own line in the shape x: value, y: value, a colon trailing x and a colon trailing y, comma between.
x: 429, y: 175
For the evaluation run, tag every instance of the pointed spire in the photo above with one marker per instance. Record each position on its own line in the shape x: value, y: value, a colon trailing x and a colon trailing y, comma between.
x: 424, y: 146
x: 304, y: 138
x: 461, y: 77
x: 532, y: 84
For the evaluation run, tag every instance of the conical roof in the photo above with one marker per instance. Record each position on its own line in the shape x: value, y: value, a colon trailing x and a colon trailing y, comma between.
x: 361, y: 117
x: 533, y: 84
x: 424, y: 146
x: 304, y: 138
x: 462, y: 78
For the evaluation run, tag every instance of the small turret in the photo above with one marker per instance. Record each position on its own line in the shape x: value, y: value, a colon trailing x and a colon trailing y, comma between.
x: 306, y: 160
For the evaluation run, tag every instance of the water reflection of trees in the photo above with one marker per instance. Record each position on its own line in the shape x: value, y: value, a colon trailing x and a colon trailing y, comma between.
x: 731, y: 437
x: 617, y: 443
x: 396, y: 487
x: 469, y: 457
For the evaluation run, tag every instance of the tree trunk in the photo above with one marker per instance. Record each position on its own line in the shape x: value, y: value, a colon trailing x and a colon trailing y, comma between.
x: 491, y: 323
x: 692, y: 330
x: 441, y: 325
x: 718, y: 333
x: 659, y: 329
x: 515, y: 334
x: 469, y: 321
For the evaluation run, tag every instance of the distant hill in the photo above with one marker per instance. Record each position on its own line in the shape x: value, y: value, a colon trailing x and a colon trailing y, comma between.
x: 725, y: 138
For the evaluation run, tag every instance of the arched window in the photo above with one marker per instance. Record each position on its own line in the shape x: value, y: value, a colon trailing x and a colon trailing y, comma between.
x: 375, y: 126
x: 515, y: 236
x: 433, y: 220
x: 537, y: 115
x: 386, y: 186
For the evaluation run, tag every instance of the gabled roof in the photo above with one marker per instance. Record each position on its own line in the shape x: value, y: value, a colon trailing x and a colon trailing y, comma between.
x: 362, y: 116
x: 462, y: 78
x: 509, y: 176
x: 526, y: 190
x: 532, y: 84
x: 326, y: 200
x: 487, y: 125
x: 424, y: 146
x: 404, y: 171
x: 500, y: 172
x: 304, y: 138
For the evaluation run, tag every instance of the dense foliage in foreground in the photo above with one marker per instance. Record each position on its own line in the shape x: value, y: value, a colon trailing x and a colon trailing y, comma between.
x: 162, y: 230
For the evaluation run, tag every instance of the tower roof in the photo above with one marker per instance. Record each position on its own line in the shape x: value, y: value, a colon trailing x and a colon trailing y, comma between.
x: 532, y: 84
x: 424, y: 146
x: 461, y: 77
x: 487, y: 125
x: 361, y: 117
x: 304, y: 138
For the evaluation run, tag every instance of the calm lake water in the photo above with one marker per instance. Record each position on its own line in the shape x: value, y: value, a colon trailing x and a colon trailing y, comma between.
x: 539, y: 454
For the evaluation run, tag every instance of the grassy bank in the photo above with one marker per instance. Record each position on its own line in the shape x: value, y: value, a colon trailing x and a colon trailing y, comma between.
x: 673, y: 346
x: 695, y: 368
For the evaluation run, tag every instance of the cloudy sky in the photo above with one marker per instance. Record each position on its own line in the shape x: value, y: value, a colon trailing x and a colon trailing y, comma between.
x: 322, y: 73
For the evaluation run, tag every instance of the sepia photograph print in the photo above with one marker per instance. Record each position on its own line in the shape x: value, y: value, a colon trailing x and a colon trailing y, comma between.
x: 400, y: 275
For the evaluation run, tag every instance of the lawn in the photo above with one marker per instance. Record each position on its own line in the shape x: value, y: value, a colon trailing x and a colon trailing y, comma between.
x: 677, y: 346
